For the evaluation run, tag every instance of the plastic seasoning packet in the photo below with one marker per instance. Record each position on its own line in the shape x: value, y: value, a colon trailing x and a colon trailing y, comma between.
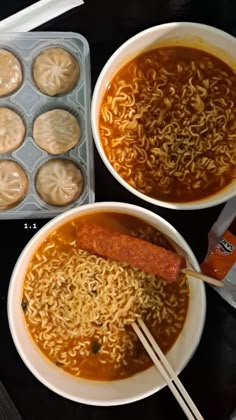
x: 220, y: 261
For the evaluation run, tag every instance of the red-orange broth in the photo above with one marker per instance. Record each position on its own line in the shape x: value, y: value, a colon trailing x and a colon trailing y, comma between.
x: 94, y: 365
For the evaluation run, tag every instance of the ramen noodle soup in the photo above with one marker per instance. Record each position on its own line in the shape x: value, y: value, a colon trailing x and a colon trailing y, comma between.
x: 79, y: 307
x: 168, y: 124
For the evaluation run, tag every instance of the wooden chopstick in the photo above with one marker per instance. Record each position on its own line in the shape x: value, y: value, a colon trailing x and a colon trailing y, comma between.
x: 166, y: 370
x: 201, y: 276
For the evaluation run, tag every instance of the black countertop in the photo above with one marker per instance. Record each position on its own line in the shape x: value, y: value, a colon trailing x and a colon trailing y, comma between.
x: 210, y: 376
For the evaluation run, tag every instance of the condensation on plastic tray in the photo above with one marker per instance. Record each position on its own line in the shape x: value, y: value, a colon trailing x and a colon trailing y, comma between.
x: 29, y: 103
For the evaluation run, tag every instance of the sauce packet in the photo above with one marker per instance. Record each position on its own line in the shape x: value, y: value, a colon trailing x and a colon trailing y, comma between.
x: 220, y: 261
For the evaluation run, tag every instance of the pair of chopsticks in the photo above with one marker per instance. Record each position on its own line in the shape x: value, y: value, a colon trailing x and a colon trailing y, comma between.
x: 166, y: 370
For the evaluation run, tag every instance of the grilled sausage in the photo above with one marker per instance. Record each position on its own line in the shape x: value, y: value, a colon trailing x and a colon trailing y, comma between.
x: 128, y: 249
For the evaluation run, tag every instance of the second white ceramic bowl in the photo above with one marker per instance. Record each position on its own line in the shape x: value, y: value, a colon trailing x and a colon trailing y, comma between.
x: 204, y: 37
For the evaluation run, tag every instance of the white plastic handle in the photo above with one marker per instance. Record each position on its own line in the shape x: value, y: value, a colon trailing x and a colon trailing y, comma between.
x: 36, y: 15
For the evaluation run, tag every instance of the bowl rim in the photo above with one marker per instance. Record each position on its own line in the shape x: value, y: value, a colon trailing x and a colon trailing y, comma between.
x: 209, y: 201
x: 29, y: 249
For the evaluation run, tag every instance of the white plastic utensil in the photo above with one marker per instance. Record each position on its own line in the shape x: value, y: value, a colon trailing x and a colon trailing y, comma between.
x: 37, y: 14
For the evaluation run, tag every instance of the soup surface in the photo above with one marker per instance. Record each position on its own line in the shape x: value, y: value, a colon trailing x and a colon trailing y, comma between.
x: 168, y: 124
x: 78, y: 306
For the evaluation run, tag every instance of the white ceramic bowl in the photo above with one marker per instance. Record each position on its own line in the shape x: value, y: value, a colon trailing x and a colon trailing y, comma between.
x: 204, y: 37
x: 94, y: 392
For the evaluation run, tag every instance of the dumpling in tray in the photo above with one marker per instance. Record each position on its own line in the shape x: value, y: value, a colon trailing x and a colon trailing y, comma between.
x: 56, y: 131
x: 55, y: 71
x: 10, y: 73
x: 13, y: 184
x: 59, y: 182
x: 12, y: 130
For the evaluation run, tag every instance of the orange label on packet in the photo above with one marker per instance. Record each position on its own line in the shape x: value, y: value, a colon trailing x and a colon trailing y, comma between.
x: 222, y: 258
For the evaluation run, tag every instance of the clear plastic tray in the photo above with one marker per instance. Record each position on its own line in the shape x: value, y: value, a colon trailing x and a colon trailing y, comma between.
x: 29, y: 102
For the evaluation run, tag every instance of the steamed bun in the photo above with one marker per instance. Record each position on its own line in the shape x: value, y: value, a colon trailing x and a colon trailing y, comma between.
x: 12, y: 130
x: 10, y: 73
x: 55, y: 71
x: 56, y: 131
x: 13, y: 184
x: 59, y: 182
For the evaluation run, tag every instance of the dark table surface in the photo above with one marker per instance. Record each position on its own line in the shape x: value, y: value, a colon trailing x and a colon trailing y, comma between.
x: 210, y: 376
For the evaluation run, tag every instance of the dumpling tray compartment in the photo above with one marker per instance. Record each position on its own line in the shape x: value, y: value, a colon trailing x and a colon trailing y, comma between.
x: 29, y: 102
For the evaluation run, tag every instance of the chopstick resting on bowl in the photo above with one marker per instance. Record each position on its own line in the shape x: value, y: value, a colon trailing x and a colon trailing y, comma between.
x: 136, y: 252
x: 166, y: 370
x: 202, y: 277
